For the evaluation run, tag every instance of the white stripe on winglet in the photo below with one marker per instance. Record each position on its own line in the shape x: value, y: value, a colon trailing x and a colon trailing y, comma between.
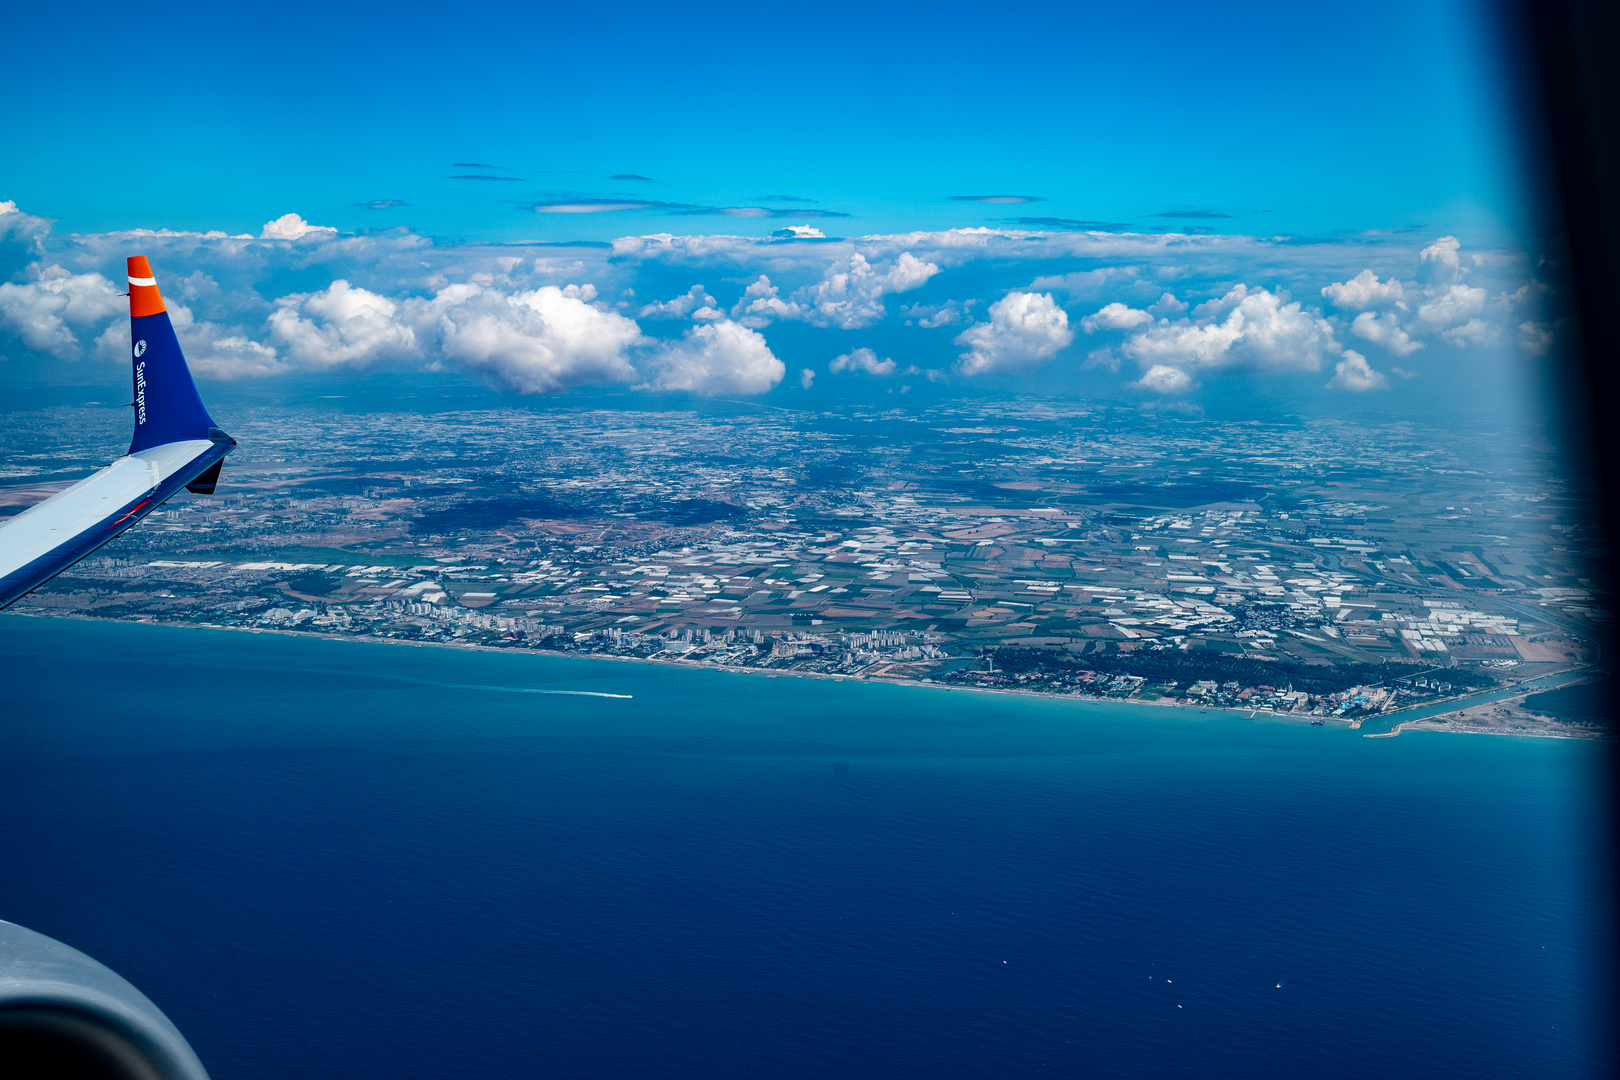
x: 143, y: 281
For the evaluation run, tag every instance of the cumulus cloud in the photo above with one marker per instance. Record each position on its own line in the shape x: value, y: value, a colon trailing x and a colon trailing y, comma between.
x: 1535, y: 338
x: 404, y: 299
x: 1441, y: 262
x: 1353, y: 373
x: 1115, y: 316
x: 807, y: 377
x: 1455, y: 311
x: 722, y: 357
x: 929, y: 316
x: 1473, y: 332
x: 1451, y: 306
x: 541, y: 341
x: 1166, y: 306
x: 862, y: 360
x: 212, y: 351
x: 1526, y: 298
x: 293, y: 227
x: 1164, y: 379
x: 22, y: 238
x: 1253, y: 328
x: 15, y: 223
x: 761, y: 305
x: 1024, y: 329
x: 1083, y: 284
x: 851, y: 295
x: 694, y: 303
x: 1385, y: 330
x: 1364, y: 291
x: 341, y: 326
x: 48, y: 312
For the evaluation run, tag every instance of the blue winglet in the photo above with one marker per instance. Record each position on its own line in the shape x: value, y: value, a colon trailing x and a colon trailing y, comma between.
x: 167, y: 406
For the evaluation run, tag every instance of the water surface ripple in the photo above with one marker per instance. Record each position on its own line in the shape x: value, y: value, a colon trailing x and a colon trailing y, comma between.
x: 329, y: 859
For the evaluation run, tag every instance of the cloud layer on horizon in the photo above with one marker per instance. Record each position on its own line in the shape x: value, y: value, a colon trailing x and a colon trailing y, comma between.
x: 1159, y: 315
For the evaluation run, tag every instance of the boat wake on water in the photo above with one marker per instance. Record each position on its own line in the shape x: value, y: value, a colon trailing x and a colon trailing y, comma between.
x: 479, y: 686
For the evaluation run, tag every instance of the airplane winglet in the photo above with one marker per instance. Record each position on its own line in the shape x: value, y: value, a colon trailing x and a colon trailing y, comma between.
x: 176, y: 445
x: 144, y: 298
x: 167, y: 406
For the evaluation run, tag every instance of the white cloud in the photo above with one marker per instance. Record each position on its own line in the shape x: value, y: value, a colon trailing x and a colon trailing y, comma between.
x: 694, y: 299
x: 1258, y: 331
x: 44, y: 312
x: 799, y: 232
x: 1364, y: 291
x: 542, y: 341
x: 1384, y: 330
x: 1024, y: 329
x: 716, y: 358
x: 760, y: 305
x: 213, y: 351
x: 1535, y: 338
x: 1083, y: 284
x: 1353, y: 373
x: 1166, y: 306
x: 1452, y: 305
x: 1473, y: 332
x: 908, y: 272
x: 1116, y: 316
x: 22, y: 237
x: 862, y: 360
x: 13, y: 220
x: 1526, y: 297
x: 1439, y: 263
x: 293, y: 227
x: 340, y: 327
x: 806, y: 377
x: 1164, y: 379
x: 839, y: 283
x: 950, y: 313
x: 852, y: 296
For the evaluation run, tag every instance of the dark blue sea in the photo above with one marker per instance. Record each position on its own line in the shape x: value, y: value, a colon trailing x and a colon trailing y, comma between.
x: 332, y: 859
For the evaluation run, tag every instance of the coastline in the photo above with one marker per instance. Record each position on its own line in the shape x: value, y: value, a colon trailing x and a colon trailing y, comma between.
x: 1241, y: 713
x: 1503, y: 715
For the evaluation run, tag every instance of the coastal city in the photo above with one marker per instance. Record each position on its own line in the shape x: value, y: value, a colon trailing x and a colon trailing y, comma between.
x: 1324, y: 568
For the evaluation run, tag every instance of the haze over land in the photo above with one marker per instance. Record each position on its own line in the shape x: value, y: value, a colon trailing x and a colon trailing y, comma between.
x: 1322, y: 567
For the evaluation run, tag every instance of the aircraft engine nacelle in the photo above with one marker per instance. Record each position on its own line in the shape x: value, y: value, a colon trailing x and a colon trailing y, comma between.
x: 66, y: 1017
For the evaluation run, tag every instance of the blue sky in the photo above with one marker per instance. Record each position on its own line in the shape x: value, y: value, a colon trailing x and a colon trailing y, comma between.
x: 1178, y: 208
x: 1304, y: 119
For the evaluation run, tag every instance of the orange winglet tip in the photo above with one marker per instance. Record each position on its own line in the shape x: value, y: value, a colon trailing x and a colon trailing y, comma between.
x: 144, y: 298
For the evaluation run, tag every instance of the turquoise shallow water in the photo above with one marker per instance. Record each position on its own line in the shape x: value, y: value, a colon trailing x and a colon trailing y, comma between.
x: 1385, y: 722
x: 338, y: 859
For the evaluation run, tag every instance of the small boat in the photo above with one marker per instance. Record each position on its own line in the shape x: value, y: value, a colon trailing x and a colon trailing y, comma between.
x: 1317, y: 723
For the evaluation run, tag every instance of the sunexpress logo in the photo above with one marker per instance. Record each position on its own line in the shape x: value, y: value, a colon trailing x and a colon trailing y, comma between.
x: 140, y: 391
